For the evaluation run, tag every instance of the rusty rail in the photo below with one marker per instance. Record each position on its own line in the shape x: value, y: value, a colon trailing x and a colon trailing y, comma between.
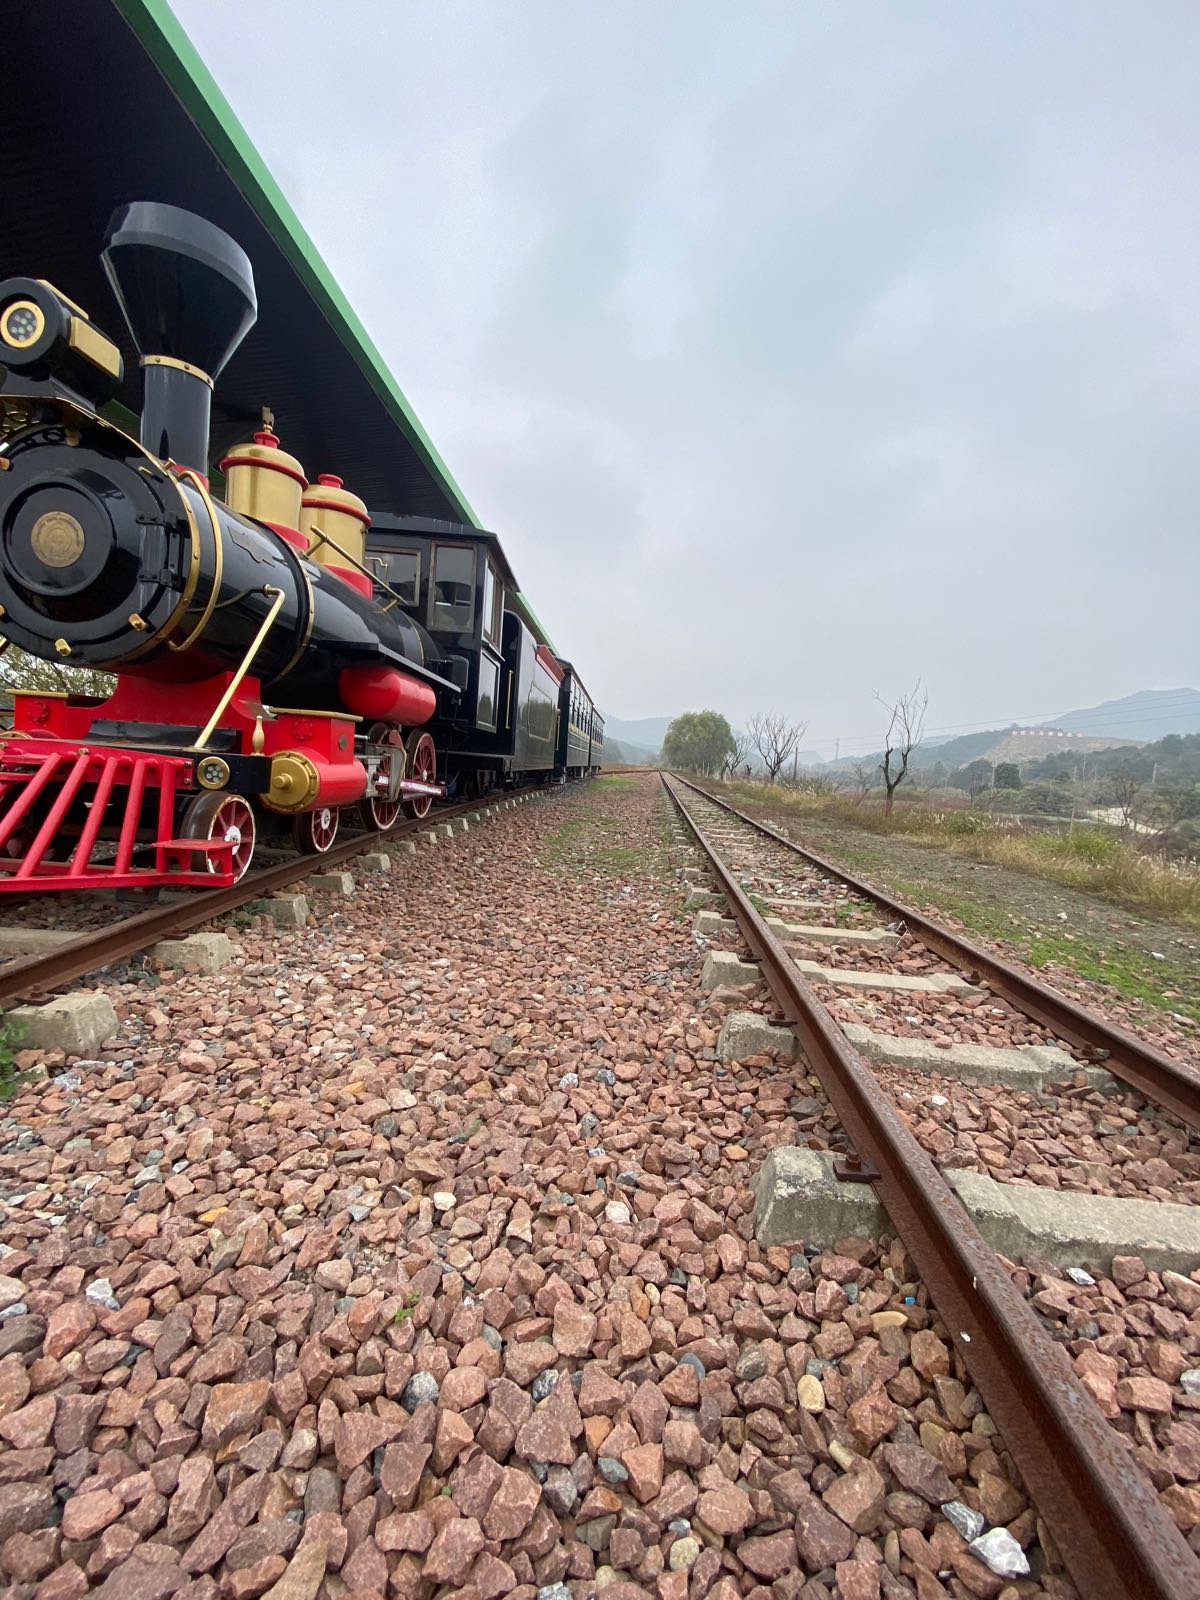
x: 1171, y: 1084
x: 34, y: 977
x: 1117, y: 1541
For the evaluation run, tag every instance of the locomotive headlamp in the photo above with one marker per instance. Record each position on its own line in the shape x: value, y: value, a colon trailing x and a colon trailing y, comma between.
x: 45, y: 336
x: 23, y: 322
x: 212, y: 773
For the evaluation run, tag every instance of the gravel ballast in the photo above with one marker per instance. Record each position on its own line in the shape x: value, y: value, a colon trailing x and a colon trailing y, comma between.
x: 411, y: 1255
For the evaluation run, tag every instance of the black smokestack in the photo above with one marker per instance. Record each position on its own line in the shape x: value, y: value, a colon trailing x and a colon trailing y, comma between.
x: 187, y: 291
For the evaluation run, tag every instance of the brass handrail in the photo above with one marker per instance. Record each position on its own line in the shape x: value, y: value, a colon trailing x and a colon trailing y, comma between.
x: 376, y: 581
x: 235, y: 682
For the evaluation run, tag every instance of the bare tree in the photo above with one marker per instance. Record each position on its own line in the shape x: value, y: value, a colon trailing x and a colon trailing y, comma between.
x: 819, y: 783
x: 737, y: 757
x: 774, y: 739
x: 1125, y: 790
x: 862, y: 782
x: 906, y: 724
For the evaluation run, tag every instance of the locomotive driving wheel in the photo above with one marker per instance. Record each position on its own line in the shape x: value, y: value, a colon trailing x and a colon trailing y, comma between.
x: 380, y: 807
x: 421, y: 758
x: 223, y: 816
x: 313, y: 832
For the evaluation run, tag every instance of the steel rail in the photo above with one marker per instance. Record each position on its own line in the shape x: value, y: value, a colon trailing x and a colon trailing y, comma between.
x: 33, y: 977
x: 1116, y: 1539
x: 1172, y: 1084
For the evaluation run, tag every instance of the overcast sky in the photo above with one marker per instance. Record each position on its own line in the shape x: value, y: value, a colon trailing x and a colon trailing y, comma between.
x: 795, y: 350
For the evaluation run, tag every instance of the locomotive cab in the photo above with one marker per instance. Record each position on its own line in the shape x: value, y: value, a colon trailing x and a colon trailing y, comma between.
x: 455, y: 580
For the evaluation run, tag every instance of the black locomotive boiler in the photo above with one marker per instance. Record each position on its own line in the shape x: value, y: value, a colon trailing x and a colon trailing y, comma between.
x: 265, y: 671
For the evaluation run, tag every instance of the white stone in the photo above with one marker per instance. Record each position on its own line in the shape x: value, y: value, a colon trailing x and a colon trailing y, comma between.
x: 998, y: 1550
x: 443, y: 1200
x: 617, y: 1211
x: 102, y: 1293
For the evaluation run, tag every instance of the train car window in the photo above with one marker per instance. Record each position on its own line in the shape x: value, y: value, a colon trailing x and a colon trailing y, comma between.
x: 452, y: 596
x: 493, y: 609
x: 489, y: 678
x: 542, y: 714
x: 404, y: 574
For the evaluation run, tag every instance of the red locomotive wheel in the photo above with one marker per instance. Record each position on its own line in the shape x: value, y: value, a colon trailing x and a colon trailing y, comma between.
x: 379, y: 811
x: 315, y: 831
x: 422, y: 768
x: 223, y: 816
x: 378, y: 815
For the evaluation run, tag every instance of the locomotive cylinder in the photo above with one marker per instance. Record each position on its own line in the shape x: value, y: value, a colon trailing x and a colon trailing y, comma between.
x: 381, y: 694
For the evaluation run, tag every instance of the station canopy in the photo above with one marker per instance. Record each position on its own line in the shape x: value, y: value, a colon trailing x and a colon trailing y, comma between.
x: 106, y: 101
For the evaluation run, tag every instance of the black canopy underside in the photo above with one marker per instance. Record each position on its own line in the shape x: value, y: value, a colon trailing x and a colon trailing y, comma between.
x: 104, y: 102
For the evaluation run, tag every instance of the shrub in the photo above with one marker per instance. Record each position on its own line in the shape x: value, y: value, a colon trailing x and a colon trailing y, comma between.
x: 1082, y: 844
x: 961, y: 824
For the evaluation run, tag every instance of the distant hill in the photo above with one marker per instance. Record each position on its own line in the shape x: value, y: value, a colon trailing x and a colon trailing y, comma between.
x: 645, y: 734
x: 1168, y: 762
x: 1149, y: 714
x: 951, y: 752
x: 1142, y: 717
x: 1033, y: 744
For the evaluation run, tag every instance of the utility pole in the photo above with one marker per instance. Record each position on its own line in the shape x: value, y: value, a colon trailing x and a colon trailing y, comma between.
x: 837, y: 745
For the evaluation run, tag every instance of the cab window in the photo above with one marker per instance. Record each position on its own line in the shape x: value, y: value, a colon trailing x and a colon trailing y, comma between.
x: 403, y: 574
x: 452, y: 592
x: 492, y: 605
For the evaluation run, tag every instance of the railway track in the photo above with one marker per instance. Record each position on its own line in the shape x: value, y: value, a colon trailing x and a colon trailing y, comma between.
x: 36, y: 976
x: 1114, y: 1535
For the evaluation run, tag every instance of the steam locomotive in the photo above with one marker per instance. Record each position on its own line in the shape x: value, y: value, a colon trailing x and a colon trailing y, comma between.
x: 276, y: 666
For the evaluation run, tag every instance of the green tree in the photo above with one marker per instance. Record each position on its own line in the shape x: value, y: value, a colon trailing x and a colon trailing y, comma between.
x: 698, y: 741
x: 977, y: 777
x: 1008, y: 775
x: 20, y: 671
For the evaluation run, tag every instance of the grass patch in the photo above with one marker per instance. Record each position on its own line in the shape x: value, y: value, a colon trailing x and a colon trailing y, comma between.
x: 404, y: 1311
x: 1086, y: 858
x: 1130, y: 971
x: 11, y: 1079
x: 590, y: 839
